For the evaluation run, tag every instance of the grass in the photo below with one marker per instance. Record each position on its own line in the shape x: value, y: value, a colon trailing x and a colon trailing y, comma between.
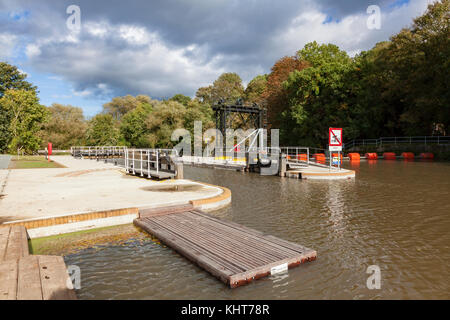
x: 32, y: 162
x: 70, y: 243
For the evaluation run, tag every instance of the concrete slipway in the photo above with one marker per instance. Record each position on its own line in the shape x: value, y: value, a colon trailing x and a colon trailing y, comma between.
x: 89, y: 194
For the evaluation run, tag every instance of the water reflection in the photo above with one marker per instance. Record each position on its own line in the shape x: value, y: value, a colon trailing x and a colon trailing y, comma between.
x: 394, y: 214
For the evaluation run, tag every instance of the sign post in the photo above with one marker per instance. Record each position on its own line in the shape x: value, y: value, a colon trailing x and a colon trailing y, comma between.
x: 335, y: 144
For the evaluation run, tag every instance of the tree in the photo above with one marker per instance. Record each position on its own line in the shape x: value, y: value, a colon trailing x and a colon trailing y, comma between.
x: 5, y: 136
x: 66, y: 126
x: 184, y: 100
x: 12, y: 78
x: 103, y: 131
x: 255, y: 90
x: 227, y: 87
x: 318, y: 96
x: 197, y: 111
x: 418, y: 58
x: 204, y: 95
x: 119, y: 106
x: 165, y: 118
x: 275, y: 95
x: 134, y: 129
x: 26, y: 119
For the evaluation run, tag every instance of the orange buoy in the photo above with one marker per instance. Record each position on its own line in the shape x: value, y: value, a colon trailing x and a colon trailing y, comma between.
x: 354, y: 156
x: 427, y: 155
x: 302, y: 157
x: 336, y: 155
x: 389, y: 156
x: 319, y: 157
x: 288, y: 157
x: 408, y: 155
x: 371, y: 156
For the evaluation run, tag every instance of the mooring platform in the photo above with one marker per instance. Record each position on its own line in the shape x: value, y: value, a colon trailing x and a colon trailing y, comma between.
x: 320, y: 173
x: 231, y: 252
x: 30, y: 277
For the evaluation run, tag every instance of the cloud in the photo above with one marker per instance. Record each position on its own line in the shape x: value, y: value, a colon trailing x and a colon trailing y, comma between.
x: 164, y: 47
x: 7, y: 44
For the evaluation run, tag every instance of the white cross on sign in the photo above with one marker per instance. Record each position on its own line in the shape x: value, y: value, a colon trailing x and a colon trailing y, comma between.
x: 335, y: 139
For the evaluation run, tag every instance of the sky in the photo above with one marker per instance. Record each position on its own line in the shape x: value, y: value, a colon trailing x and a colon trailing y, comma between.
x: 163, y: 47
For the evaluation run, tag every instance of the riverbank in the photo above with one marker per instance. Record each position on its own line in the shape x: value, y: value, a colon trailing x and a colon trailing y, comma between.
x: 88, y: 194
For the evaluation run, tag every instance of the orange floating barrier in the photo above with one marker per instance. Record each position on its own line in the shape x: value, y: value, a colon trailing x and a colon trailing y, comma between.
x: 354, y: 156
x: 389, y: 156
x: 319, y: 157
x: 427, y: 155
x: 408, y: 155
x: 302, y: 157
x: 371, y: 156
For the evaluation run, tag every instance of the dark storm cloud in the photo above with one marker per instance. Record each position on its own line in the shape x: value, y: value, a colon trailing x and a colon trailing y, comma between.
x: 166, y: 46
x: 340, y: 9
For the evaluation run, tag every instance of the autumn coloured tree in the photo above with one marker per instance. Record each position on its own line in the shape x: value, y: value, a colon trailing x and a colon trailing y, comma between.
x: 275, y: 95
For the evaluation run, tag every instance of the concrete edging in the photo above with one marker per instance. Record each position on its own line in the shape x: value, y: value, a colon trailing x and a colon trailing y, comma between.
x: 44, y: 227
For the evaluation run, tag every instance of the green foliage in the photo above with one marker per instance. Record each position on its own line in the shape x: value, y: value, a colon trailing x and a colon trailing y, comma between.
x: 5, y: 135
x: 12, y: 78
x: 398, y: 88
x: 255, y: 90
x: 103, y: 131
x: 134, y: 129
x: 26, y: 119
x: 228, y: 87
x: 65, y: 128
x: 317, y: 96
x: 184, y: 100
x: 165, y: 118
x: 119, y: 106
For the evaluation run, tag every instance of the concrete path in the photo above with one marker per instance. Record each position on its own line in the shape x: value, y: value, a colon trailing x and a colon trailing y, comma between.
x: 89, y: 186
x: 4, y: 161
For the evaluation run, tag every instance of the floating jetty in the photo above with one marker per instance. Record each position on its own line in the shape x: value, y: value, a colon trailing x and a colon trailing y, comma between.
x: 30, y: 277
x: 235, y: 254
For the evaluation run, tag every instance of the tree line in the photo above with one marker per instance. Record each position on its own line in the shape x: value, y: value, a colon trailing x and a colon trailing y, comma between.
x: 399, y: 87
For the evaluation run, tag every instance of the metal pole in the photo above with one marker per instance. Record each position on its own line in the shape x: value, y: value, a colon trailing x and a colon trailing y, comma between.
x: 157, y: 161
x: 142, y: 168
x: 134, y: 171
x: 339, y: 160
x: 148, y: 163
x: 307, y: 154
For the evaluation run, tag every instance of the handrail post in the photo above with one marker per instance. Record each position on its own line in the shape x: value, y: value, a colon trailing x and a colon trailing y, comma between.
x: 157, y: 161
x: 134, y: 172
x: 148, y: 163
x: 142, y: 172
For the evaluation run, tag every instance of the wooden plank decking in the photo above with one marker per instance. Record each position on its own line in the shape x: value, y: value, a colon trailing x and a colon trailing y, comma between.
x: 13, y: 243
x: 233, y: 253
x: 30, y: 277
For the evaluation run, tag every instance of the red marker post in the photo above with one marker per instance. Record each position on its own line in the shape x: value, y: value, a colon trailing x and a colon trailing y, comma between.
x: 49, y: 151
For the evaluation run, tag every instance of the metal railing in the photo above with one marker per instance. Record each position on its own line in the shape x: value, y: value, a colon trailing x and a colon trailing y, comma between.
x: 296, y: 155
x: 151, y: 162
x: 99, y: 152
x: 399, y: 140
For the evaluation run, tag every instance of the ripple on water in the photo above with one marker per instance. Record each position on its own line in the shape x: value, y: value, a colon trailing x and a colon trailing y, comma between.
x: 394, y: 215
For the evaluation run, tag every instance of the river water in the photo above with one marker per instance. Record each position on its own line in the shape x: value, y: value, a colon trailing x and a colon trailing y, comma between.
x: 395, y: 214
